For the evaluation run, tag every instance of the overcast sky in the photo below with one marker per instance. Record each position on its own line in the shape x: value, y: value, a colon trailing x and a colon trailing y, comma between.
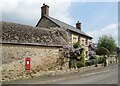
x: 97, y: 18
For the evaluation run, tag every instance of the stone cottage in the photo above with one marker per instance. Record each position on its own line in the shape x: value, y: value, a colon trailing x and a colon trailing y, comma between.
x: 75, y: 34
x: 40, y: 43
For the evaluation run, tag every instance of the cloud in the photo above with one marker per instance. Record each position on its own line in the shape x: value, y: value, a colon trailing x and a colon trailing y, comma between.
x: 29, y: 11
x: 111, y: 30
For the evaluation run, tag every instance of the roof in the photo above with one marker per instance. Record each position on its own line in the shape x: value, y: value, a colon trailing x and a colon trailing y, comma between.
x: 67, y: 26
x: 25, y: 34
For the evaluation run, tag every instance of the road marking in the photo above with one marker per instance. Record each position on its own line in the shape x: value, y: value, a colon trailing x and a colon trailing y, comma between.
x: 61, y: 79
x: 96, y: 73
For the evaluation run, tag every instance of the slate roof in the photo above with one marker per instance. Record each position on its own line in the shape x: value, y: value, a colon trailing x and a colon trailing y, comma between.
x: 67, y: 26
x: 25, y: 34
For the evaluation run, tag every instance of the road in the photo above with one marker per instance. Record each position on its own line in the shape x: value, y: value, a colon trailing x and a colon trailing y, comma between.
x: 109, y: 76
x: 103, y: 75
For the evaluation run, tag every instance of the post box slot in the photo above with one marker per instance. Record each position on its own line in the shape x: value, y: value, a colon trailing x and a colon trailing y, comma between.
x: 27, y: 62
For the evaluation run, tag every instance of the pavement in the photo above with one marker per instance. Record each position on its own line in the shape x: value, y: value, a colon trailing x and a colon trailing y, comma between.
x: 103, y: 75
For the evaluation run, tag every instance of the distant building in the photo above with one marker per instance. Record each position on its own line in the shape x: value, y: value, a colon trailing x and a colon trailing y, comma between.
x: 75, y: 34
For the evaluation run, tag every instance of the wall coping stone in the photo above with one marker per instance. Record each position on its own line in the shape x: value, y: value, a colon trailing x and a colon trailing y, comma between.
x: 32, y: 44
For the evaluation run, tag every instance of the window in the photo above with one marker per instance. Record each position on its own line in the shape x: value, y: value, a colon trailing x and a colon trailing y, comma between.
x: 79, y: 39
x: 74, y: 38
x: 90, y: 43
x: 86, y: 54
x: 86, y: 41
x: 82, y: 42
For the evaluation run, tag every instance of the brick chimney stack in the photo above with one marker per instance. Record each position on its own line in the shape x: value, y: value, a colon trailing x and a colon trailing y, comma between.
x: 78, y: 25
x: 45, y: 10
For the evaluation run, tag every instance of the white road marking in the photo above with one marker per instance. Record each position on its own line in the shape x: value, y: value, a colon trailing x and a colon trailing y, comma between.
x: 61, y: 79
x: 96, y: 73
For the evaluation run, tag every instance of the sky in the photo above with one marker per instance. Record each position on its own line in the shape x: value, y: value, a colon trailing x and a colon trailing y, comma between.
x: 97, y: 18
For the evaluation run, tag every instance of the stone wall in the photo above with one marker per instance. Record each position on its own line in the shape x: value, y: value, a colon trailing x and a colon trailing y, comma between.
x: 43, y: 60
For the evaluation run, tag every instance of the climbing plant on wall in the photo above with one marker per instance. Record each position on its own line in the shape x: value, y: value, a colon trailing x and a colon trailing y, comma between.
x: 70, y: 53
x: 76, y: 56
x: 81, y: 59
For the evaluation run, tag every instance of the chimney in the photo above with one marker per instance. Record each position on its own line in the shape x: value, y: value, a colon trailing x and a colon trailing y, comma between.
x: 78, y: 25
x: 45, y: 10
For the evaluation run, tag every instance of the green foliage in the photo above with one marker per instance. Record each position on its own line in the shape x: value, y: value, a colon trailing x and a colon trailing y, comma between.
x: 72, y: 63
x: 81, y: 62
x: 107, y: 42
x: 76, y: 54
x: 101, y: 60
x: 102, y: 51
x: 88, y: 63
x: 72, y: 59
x: 82, y: 57
x: 91, y: 62
x: 95, y: 59
x: 72, y: 54
x: 76, y: 45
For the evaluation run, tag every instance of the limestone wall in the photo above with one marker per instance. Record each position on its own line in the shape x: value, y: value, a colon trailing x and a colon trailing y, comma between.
x: 43, y: 60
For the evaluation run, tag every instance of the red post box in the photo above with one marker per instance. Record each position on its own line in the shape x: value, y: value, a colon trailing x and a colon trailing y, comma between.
x: 27, y: 63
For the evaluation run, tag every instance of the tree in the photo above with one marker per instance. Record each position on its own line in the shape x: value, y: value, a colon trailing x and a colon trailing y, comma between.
x: 107, y: 42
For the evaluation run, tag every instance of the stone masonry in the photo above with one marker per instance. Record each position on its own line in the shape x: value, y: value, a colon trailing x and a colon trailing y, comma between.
x: 43, y: 60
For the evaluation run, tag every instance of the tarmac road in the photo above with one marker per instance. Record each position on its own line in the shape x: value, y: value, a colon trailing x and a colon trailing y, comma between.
x: 103, y: 75
x: 107, y: 76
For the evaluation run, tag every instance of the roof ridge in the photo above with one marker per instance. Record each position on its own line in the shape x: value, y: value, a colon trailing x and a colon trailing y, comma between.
x: 62, y: 22
x: 65, y: 25
x: 24, y: 25
x: 15, y: 23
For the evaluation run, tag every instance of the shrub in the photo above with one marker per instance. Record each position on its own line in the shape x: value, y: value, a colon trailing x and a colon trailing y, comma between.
x: 102, y: 51
x: 92, y: 57
x: 91, y: 62
x: 101, y: 59
x: 80, y: 64
x: 72, y: 63
x: 96, y: 61
x: 88, y: 63
x: 95, y: 57
x: 76, y: 45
